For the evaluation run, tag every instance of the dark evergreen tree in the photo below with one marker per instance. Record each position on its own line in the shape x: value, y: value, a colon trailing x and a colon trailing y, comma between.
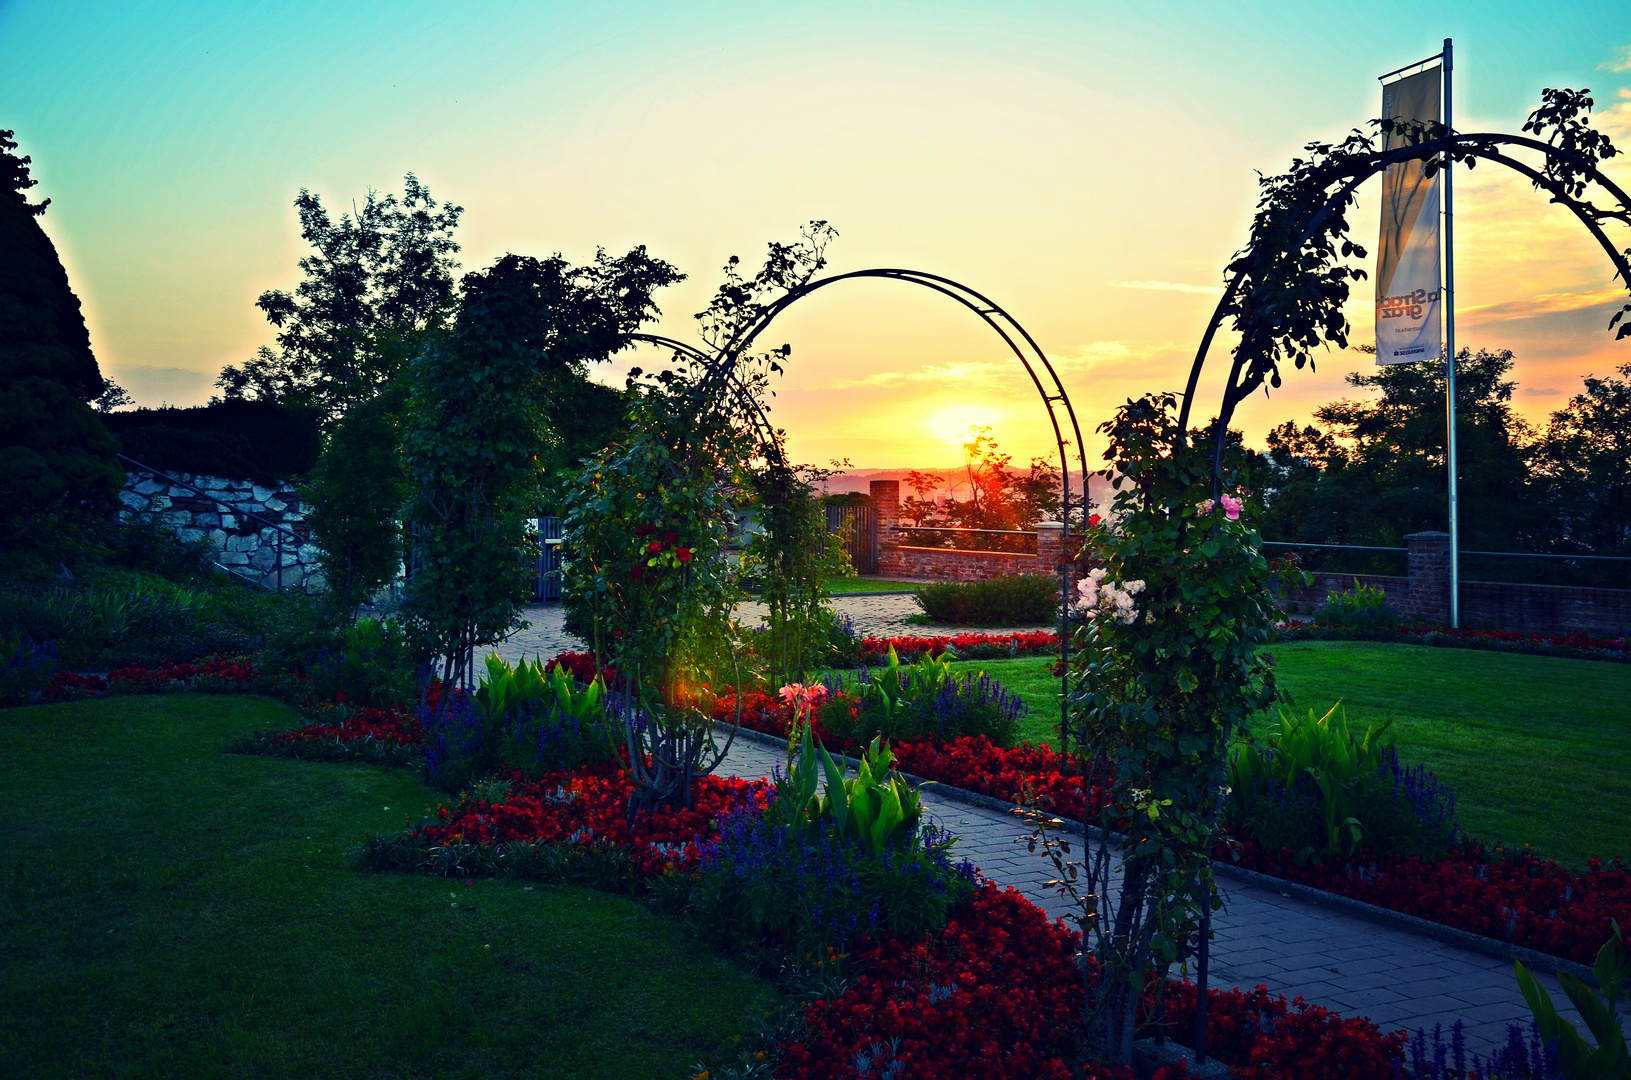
x: 58, y: 465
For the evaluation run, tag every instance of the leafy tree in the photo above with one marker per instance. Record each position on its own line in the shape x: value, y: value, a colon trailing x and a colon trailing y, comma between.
x: 357, y: 491
x: 1369, y: 472
x: 376, y: 284
x: 1583, y: 463
x: 999, y: 497
x: 58, y: 464
x: 476, y: 428
x: 1166, y: 671
x: 923, y: 508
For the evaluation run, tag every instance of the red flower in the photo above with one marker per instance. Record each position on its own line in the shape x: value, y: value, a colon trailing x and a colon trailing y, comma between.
x: 669, y: 537
x: 654, y: 547
x: 684, y: 554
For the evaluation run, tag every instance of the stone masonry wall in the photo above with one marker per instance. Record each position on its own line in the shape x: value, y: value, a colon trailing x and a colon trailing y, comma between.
x: 238, y: 544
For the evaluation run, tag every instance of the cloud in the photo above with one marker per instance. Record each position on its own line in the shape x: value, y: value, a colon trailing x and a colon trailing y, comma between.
x: 1540, y: 391
x: 1169, y: 286
x: 1620, y: 62
x: 1543, y: 304
x: 1114, y: 353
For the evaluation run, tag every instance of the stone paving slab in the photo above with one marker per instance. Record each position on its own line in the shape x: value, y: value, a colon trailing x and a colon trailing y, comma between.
x: 880, y: 615
x: 1330, y: 958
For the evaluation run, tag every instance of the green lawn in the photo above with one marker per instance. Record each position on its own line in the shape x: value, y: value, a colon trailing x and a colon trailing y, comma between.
x: 173, y: 911
x: 1537, y: 749
x: 840, y: 585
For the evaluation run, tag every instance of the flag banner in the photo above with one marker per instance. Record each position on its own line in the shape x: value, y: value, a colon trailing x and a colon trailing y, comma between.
x: 1409, y: 283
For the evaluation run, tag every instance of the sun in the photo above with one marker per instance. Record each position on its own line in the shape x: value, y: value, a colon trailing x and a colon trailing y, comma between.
x: 951, y: 424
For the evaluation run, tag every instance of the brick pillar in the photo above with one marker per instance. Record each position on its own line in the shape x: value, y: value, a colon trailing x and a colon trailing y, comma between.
x: 1429, y: 555
x: 1050, y: 552
x: 886, y: 504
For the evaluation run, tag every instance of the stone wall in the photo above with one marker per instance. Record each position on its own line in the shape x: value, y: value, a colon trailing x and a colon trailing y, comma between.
x: 254, y: 550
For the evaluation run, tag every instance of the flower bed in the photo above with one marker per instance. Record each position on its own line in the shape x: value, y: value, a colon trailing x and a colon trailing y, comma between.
x: 1510, y: 896
x: 1516, y: 897
x: 214, y: 673
x: 587, y: 808
x: 875, y: 650
x: 1577, y: 646
x: 993, y: 993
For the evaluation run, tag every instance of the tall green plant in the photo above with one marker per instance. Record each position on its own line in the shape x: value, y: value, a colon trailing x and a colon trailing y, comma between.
x: 1319, y: 750
x: 475, y: 433
x: 357, y: 493
x: 647, y: 525
x: 1608, y: 1060
x: 792, y: 556
x: 1166, y: 672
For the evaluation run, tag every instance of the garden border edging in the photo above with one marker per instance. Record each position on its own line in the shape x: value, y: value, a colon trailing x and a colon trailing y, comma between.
x: 1398, y: 920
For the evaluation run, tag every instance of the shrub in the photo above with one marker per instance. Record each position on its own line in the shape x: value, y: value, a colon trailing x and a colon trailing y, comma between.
x: 531, y: 718
x: 1013, y: 600
x: 26, y: 667
x: 367, y: 663
x: 764, y: 882
x: 1310, y: 787
x: 925, y: 700
x: 1365, y: 608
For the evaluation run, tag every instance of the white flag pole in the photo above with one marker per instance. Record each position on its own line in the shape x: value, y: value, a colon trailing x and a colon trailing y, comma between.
x: 1449, y: 359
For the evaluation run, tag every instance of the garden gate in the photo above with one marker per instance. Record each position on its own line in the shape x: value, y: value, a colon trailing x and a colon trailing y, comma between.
x: 858, y: 525
x: 547, y: 582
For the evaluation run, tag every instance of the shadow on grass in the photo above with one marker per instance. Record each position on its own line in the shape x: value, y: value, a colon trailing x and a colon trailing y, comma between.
x: 177, y: 911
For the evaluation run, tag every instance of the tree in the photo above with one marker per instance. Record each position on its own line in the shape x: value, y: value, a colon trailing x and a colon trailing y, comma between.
x: 58, y: 464
x: 1583, y: 463
x: 922, y: 508
x: 357, y: 491
x: 999, y: 497
x: 648, y: 520
x: 476, y: 429
x: 377, y: 283
x: 1165, y: 674
x: 1373, y: 471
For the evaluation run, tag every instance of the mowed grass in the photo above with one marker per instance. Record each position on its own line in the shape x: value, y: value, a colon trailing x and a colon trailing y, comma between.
x: 173, y: 911
x: 839, y: 586
x: 1537, y: 749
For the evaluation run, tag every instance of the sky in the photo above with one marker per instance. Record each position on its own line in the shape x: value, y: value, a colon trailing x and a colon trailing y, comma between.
x: 1090, y: 167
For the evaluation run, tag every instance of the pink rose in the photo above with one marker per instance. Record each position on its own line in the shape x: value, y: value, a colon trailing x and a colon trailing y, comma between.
x: 1231, y: 507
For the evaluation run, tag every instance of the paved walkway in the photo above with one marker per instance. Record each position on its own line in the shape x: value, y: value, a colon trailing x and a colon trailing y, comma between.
x: 1355, y: 967
x: 1347, y: 964
x: 882, y: 615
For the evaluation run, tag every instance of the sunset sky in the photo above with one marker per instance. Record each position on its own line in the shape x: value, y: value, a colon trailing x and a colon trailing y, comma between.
x: 1089, y: 166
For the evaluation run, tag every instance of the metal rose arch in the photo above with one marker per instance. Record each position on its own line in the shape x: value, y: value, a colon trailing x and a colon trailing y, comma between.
x: 1261, y: 278
x: 720, y: 371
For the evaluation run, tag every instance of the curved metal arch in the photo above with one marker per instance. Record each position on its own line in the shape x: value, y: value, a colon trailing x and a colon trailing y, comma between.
x: 1061, y: 412
x: 721, y: 368
x: 1482, y: 145
x: 767, y: 431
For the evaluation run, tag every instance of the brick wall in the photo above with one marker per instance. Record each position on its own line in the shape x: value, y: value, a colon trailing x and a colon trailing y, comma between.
x: 896, y: 559
x: 1425, y: 594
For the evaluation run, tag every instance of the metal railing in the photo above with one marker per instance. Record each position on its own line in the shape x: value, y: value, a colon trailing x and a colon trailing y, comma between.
x: 960, y: 529
x: 278, y: 527
x: 1464, y: 554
